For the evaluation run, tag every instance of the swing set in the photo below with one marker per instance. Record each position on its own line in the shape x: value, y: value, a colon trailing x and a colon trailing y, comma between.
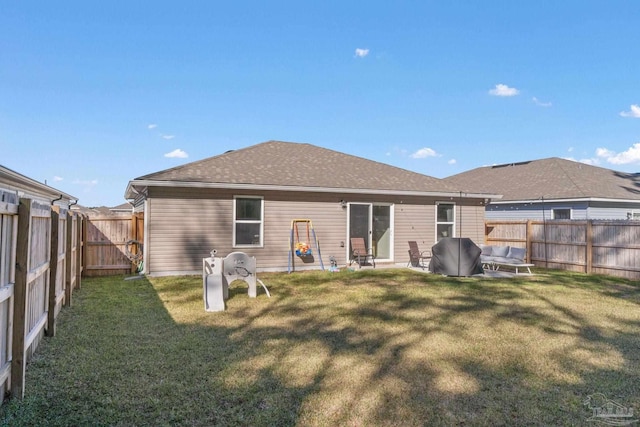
x: 303, y: 248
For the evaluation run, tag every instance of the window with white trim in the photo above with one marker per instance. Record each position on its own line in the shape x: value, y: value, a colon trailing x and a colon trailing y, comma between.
x: 247, y: 221
x: 562, y: 214
x: 634, y: 214
x: 445, y: 220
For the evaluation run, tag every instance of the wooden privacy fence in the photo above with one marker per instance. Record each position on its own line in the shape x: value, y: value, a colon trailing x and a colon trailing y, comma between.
x: 40, y: 254
x: 590, y: 246
x: 106, y: 245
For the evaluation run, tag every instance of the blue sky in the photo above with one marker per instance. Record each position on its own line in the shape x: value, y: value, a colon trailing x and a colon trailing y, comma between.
x: 94, y: 94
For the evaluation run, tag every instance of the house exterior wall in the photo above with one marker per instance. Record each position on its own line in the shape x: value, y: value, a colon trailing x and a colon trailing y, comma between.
x: 470, y: 222
x: 580, y: 210
x: 184, y: 225
x: 413, y: 221
x: 602, y: 210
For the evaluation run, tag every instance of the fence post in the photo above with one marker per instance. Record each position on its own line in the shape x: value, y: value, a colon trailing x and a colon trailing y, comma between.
x: 134, y: 236
x: 83, y: 232
x: 71, y: 258
x: 589, y: 247
x: 529, y: 238
x: 53, y: 271
x: 80, y: 250
x: 19, y: 363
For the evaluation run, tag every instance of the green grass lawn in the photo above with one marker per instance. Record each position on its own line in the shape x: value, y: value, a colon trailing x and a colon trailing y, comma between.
x: 370, y: 348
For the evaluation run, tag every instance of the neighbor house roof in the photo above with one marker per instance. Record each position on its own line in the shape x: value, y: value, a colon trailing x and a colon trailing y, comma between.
x: 24, y: 186
x: 292, y: 166
x: 552, y: 178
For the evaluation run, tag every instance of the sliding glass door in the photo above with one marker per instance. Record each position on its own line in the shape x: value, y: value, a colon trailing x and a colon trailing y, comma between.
x: 374, y: 223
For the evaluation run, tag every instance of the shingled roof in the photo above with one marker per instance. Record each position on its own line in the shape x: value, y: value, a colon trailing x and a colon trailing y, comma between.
x: 551, y: 178
x: 296, y: 165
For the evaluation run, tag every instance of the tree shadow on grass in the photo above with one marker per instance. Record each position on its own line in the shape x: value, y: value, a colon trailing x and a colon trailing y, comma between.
x: 364, y: 348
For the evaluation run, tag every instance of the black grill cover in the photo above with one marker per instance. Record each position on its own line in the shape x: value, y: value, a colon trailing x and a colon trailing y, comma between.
x: 455, y: 256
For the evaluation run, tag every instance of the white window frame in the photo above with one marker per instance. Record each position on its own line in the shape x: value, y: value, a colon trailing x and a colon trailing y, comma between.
x: 452, y: 223
x: 247, y: 221
x: 633, y: 214
x: 553, y: 212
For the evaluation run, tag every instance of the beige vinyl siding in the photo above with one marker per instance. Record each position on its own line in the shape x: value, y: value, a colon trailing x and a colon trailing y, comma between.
x: 413, y: 222
x: 329, y: 222
x: 417, y: 222
x: 183, y: 231
x: 184, y: 225
x: 184, y: 228
x: 470, y: 222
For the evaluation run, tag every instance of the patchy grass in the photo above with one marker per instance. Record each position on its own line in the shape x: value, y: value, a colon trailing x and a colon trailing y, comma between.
x: 370, y: 348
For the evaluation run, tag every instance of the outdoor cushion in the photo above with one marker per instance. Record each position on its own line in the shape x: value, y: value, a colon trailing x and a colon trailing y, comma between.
x: 486, y: 250
x: 517, y: 253
x: 505, y: 260
x: 500, y: 251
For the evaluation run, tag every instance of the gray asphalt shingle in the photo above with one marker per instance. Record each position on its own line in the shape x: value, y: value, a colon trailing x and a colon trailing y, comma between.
x: 551, y: 178
x: 299, y: 165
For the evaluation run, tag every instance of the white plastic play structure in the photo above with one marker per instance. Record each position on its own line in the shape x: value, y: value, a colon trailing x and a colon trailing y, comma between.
x: 218, y: 272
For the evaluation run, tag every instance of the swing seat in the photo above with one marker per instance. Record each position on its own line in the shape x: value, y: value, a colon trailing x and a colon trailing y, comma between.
x: 302, y: 249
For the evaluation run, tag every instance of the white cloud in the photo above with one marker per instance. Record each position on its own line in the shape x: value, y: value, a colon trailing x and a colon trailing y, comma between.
x: 423, y: 153
x: 452, y: 162
x: 570, y: 149
x: 167, y: 136
x: 152, y: 126
x: 86, y: 184
x: 540, y: 103
x: 592, y: 161
x: 361, y: 53
x: 177, y: 153
x: 503, y: 90
x: 57, y: 178
x: 631, y: 155
x: 634, y: 112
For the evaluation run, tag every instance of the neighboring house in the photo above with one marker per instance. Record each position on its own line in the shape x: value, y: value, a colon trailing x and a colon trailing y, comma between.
x: 120, y: 210
x: 556, y: 188
x: 125, y: 208
x: 244, y: 200
x: 14, y: 185
x: 97, y: 211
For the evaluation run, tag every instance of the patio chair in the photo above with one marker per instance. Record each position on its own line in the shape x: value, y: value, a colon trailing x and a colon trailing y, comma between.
x: 359, y: 252
x: 418, y: 258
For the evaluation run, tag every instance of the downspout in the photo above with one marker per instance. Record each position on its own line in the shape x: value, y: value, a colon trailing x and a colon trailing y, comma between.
x: 55, y: 200
x: 147, y: 246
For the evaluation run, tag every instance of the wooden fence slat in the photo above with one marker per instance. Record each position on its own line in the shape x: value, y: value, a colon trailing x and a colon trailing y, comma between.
x: 589, y: 246
x: 7, y: 208
x: 8, y: 240
x: 80, y: 250
x: 35, y: 330
x: 6, y: 292
x: 19, y: 363
x: 37, y: 272
x: 53, y: 272
x: 5, y: 372
x: 105, y: 244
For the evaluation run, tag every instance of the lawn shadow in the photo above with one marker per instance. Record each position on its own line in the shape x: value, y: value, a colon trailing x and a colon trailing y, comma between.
x: 387, y: 347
